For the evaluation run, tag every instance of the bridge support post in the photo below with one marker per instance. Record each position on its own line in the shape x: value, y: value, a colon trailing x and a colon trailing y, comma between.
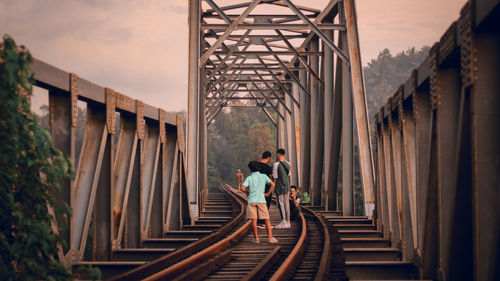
x: 192, y: 180
x: 305, y: 137
x: 347, y: 133
x: 359, y: 99
x: 330, y: 187
x: 316, y: 128
x: 62, y: 131
x: 291, y: 136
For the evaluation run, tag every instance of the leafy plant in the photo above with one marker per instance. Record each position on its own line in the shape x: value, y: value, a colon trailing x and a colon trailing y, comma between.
x: 30, y: 169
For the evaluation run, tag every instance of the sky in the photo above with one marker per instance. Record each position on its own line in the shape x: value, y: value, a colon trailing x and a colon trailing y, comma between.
x: 139, y: 47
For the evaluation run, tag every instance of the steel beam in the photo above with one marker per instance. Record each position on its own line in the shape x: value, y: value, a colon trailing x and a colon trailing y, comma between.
x: 228, y: 31
x: 361, y: 112
x: 316, y: 130
x: 272, y: 26
x: 192, y: 177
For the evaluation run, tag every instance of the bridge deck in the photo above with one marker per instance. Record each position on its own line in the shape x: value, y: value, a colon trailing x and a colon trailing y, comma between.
x: 246, y: 255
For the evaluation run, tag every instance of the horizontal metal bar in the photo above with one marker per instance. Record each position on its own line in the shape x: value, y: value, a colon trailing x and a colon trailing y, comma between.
x: 246, y: 98
x: 264, y: 16
x: 274, y: 26
x: 261, y: 36
x: 242, y: 105
x: 47, y: 75
x: 258, y: 81
x: 261, y: 68
x: 270, y: 53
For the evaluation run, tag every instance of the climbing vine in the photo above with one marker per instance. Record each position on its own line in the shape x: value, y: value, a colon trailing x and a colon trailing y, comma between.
x: 30, y: 169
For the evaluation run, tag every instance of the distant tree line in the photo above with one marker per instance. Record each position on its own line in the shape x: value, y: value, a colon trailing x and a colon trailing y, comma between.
x: 238, y: 135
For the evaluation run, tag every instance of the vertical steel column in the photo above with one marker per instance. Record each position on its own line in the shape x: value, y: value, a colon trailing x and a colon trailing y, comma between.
x: 305, y: 136
x: 281, y: 135
x: 347, y: 136
x: 202, y: 172
x: 330, y: 185
x: 422, y: 115
x: 290, y: 131
x: 62, y: 131
x: 389, y: 178
x: 316, y: 128
x: 193, y: 105
x: 359, y: 99
x: 383, y: 208
x: 445, y: 98
x: 296, y: 132
x: 341, y: 71
x: 486, y: 152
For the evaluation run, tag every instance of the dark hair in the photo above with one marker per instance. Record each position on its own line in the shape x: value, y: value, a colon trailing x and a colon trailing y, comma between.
x: 280, y: 151
x: 293, y: 186
x: 266, y: 154
x: 253, y: 166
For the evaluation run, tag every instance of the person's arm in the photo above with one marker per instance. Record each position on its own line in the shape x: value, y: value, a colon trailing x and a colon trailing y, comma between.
x: 275, y: 170
x: 245, y: 185
x: 270, y: 189
x: 294, y: 201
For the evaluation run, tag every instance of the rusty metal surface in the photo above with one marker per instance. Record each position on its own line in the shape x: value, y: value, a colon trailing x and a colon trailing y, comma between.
x: 449, y: 104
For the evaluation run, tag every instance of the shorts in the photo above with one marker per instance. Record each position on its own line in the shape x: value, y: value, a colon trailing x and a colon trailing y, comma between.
x: 257, y: 210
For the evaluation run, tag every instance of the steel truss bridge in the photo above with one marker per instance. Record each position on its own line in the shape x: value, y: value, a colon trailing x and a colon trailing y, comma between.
x: 429, y: 164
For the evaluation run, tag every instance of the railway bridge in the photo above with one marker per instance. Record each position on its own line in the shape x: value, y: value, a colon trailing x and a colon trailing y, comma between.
x: 429, y: 161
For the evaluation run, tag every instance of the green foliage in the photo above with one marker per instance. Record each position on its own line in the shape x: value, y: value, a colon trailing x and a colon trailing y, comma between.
x: 30, y: 170
x: 234, y: 138
x: 304, y: 197
x: 384, y: 74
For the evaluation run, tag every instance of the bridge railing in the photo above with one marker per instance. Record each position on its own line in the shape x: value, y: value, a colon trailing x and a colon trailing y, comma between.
x: 438, y: 151
x: 127, y: 188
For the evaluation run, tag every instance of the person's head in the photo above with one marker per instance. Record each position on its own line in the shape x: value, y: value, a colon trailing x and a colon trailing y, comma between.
x: 239, y: 171
x: 280, y: 154
x: 266, y: 157
x: 253, y: 166
x: 293, y: 190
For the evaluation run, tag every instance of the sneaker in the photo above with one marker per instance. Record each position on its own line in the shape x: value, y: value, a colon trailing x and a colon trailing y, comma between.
x: 260, y: 226
x: 287, y: 225
x: 256, y: 241
x: 281, y: 225
x: 273, y: 240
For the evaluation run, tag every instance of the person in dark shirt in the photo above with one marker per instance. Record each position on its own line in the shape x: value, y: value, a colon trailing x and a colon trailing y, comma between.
x: 281, y: 175
x: 265, y: 169
x: 294, y: 203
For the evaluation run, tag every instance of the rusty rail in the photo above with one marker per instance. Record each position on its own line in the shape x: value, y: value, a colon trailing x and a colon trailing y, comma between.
x: 168, y: 265
x: 287, y: 266
x: 324, y: 265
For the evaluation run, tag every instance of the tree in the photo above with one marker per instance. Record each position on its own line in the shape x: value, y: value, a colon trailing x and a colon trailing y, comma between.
x: 30, y: 169
x: 384, y: 74
x: 236, y: 137
x: 260, y: 139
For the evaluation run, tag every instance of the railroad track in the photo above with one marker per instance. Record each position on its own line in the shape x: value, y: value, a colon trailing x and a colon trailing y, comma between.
x: 222, y: 212
x: 303, y: 253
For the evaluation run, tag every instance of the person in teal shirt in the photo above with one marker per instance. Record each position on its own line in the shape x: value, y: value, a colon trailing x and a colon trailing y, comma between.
x: 255, y: 185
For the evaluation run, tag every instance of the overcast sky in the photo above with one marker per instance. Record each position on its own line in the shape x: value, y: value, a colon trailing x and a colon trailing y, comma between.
x: 139, y: 48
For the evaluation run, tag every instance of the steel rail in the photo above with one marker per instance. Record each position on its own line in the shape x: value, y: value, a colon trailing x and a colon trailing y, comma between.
x: 187, y: 251
x: 324, y: 265
x: 283, y: 272
x: 174, y: 271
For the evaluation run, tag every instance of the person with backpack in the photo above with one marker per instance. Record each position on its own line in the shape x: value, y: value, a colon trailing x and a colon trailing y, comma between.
x: 281, y: 175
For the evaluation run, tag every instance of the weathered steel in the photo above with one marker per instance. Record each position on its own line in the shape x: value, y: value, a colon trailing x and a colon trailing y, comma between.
x: 444, y: 172
x: 359, y: 101
x: 193, y: 102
